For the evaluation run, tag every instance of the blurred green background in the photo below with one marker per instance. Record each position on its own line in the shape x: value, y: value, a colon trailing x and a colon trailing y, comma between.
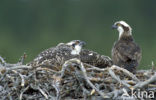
x: 33, y: 25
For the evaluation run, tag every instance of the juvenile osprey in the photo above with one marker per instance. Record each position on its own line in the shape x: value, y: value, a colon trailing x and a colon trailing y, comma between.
x: 125, y: 52
x: 56, y: 56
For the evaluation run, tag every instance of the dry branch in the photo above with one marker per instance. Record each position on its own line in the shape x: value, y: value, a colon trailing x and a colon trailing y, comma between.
x: 76, y: 81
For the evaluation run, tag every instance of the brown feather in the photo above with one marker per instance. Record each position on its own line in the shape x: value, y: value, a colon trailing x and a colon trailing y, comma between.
x: 126, y: 53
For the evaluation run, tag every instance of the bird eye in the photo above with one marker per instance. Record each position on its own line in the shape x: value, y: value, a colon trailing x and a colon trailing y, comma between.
x: 118, y: 24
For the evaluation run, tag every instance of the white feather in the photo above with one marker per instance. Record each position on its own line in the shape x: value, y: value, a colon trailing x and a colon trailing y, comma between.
x: 70, y: 43
x: 121, y: 31
x: 90, y: 54
x: 124, y: 23
x: 76, y: 50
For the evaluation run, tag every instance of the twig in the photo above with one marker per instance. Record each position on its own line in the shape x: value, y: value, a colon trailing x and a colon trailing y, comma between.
x: 21, y: 61
x: 43, y: 93
x: 88, y: 81
x: 55, y: 85
x: 96, y: 79
x: 139, y: 85
x: 118, y: 79
x: 153, y: 66
x: 22, y: 80
x: 126, y: 72
x: 65, y: 65
x: 142, y: 84
x: 130, y: 82
x: 95, y: 68
x: 3, y: 61
x: 21, y: 95
x: 46, y: 69
x: 10, y: 97
x: 19, y: 67
x: 77, y: 61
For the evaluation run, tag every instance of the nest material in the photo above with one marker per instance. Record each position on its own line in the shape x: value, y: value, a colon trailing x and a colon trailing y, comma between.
x: 74, y: 80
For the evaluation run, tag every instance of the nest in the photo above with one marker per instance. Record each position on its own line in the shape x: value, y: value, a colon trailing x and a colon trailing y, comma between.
x: 74, y: 80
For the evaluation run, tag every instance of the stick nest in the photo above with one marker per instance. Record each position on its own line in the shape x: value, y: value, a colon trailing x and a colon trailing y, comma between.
x: 74, y: 80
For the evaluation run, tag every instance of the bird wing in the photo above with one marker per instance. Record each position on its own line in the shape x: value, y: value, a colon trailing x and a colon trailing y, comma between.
x: 95, y: 59
x: 52, y: 56
x: 128, y: 51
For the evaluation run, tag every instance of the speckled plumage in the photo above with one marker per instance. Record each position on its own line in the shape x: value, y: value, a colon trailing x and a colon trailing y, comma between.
x: 95, y: 59
x: 56, y: 56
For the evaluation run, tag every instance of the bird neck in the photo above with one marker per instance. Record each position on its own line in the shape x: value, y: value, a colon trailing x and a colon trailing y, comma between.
x: 126, y: 36
x: 76, y: 50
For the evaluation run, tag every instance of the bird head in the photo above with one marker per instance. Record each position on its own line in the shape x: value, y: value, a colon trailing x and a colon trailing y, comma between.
x: 76, y: 46
x: 122, y: 27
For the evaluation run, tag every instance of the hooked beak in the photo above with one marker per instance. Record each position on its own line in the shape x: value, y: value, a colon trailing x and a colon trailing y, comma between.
x: 114, y: 27
x: 82, y: 43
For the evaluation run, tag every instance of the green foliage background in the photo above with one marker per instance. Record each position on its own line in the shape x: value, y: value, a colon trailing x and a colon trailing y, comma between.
x: 33, y: 25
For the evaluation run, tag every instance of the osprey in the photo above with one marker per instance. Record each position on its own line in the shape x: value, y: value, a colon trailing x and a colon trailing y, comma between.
x: 56, y: 56
x: 125, y: 52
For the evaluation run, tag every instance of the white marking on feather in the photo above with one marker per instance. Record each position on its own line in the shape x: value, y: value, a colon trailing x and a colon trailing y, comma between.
x: 90, y: 54
x: 76, y: 50
x: 121, y: 31
x: 70, y: 43
x: 124, y: 23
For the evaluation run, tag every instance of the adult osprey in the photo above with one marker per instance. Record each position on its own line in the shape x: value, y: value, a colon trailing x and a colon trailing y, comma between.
x: 56, y: 56
x: 125, y: 52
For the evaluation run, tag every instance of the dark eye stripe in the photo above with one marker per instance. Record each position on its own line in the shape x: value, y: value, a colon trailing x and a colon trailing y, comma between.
x: 77, y: 42
x: 125, y: 28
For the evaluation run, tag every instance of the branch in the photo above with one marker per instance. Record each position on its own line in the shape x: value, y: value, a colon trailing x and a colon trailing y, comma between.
x: 118, y: 79
x: 43, y: 93
x: 88, y: 81
x: 95, y: 68
x: 19, y: 67
x: 139, y: 85
x: 21, y: 61
x: 77, y: 61
x: 21, y: 95
x: 143, y: 84
x: 126, y: 72
x: 3, y: 61
x: 22, y: 80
